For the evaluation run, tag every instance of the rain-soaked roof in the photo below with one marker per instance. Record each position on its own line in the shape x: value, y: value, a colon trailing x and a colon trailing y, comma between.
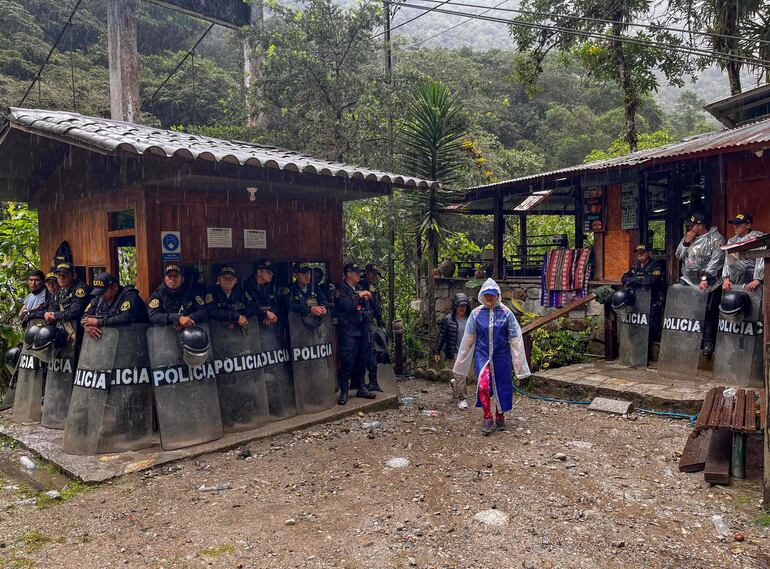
x: 753, y: 137
x: 115, y: 137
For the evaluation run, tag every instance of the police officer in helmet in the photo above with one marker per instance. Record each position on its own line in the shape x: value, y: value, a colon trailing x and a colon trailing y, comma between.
x: 112, y: 305
x: 304, y: 297
x: 354, y: 318
x: 369, y: 282
x: 648, y: 272
x: 173, y: 304
x: 262, y: 289
x: 228, y: 302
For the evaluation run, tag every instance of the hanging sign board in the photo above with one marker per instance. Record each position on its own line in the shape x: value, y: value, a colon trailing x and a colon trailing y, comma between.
x: 219, y: 237
x: 254, y: 239
x: 629, y: 206
x: 593, y: 210
x: 171, y: 246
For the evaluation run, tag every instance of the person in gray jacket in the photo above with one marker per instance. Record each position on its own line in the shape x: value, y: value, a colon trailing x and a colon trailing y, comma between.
x: 451, y: 330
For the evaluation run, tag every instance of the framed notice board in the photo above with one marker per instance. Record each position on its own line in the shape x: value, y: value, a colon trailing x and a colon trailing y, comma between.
x: 593, y: 209
x: 629, y: 206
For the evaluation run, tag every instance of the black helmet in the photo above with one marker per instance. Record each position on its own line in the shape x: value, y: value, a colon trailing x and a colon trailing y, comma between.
x: 46, y: 339
x: 735, y: 305
x: 30, y: 333
x: 12, y: 358
x: 623, y: 298
x: 195, y: 345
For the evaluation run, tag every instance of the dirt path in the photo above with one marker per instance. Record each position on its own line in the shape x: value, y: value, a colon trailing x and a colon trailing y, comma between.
x: 323, y: 497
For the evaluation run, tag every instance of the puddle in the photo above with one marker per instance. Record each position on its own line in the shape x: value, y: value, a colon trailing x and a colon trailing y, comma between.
x: 43, y: 478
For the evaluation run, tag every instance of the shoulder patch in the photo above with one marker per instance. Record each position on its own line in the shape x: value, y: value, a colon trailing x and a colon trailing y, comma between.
x: 88, y: 307
x: 199, y: 299
x: 155, y: 303
x: 80, y: 292
x: 656, y: 273
x: 125, y: 306
x: 209, y: 298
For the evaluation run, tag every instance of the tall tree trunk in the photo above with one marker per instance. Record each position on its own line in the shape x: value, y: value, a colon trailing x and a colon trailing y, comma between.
x: 253, y: 65
x: 430, y: 298
x: 726, y: 14
x: 630, y: 101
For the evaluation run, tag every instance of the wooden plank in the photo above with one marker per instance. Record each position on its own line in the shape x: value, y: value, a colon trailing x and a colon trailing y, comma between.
x: 695, y: 451
x: 705, y: 410
x: 716, y: 409
x: 564, y: 310
x: 751, y: 411
x: 717, y: 470
x: 725, y: 417
x: 762, y: 410
x: 738, y: 420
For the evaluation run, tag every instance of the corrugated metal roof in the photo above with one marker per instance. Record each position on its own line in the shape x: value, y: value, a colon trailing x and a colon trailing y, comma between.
x: 745, y: 137
x: 109, y: 136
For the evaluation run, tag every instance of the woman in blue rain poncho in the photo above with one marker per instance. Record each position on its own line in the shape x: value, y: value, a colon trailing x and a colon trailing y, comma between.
x: 494, y: 346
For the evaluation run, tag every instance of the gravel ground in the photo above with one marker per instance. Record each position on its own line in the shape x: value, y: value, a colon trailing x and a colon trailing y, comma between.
x: 563, y: 487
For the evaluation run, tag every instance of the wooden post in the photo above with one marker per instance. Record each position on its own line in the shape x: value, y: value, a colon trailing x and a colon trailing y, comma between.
x: 253, y: 62
x: 523, y: 243
x: 766, y: 318
x: 123, y: 60
x: 579, y: 235
x: 498, y: 270
x: 738, y: 463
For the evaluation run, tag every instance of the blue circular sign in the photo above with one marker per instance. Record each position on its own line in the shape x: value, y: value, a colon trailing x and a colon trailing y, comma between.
x: 170, y: 242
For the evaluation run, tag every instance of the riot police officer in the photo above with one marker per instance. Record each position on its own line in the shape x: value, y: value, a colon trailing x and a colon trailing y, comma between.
x: 702, y: 262
x: 648, y: 272
x: 263, y: 291
x: 112, y: 305
x: 747, y: 272
x: 228, y: 302
x: 369, y: 282
x: 65, y: 308
x: 172, y: 304
x: 304, y: 297
x: 51, y: 284
x: 353, y: 317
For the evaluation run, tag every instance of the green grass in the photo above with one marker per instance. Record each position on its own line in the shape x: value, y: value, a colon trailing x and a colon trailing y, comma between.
x: 743, y: 500
x: 763, y: 521
x: 216, y: 551
x: 67, y: 493
x: 35, y: 540
x: 9, y: 442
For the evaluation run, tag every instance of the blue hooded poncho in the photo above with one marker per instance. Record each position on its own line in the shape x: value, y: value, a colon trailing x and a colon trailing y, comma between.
x: 493, y: 338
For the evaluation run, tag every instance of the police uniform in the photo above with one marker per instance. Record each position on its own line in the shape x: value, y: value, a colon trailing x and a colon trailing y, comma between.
x: 125, y: 308
x: 649, y: 275
x: 225, y: 308
x: 375, y: 306
x: 743, y: 271
x: 353, y: 322
x: 301, y: 301
x: 167, y: 305
x: 68, y: 304
x: 267, y: 295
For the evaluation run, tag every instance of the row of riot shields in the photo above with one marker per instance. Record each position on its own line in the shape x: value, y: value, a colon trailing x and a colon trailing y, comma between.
x: 737, y: 358
x: 108, y: 396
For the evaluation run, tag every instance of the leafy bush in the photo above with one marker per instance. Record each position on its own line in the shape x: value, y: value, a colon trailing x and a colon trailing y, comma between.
x: 558, y: 344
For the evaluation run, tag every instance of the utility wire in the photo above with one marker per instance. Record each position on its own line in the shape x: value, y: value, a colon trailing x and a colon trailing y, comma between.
x: 465, y: 21
x: 36, y: 79
x: 596, y: 35
x: 189, y: 53
x: 420, y: 15
x: 598, y: 20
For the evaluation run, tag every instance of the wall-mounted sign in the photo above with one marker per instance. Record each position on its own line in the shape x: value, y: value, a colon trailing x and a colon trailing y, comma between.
x: 254, y: 239
x: 593, y: 210
x: 171, y: 246
x: 219, y: 237
x: 629, y: 206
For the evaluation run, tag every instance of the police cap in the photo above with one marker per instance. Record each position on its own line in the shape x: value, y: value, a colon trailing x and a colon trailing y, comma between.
x: 227, y: 270
x: 102, y: 282
x: 696, y: 218
x: 374, y: 268
x: 171, y: 268
x: 351, y: 267
x: 265, y: 265
x: 740, y: 219
x: 64, y: 268
x: 301, y: 268
x: 642, y: 248
x: 50, y: 276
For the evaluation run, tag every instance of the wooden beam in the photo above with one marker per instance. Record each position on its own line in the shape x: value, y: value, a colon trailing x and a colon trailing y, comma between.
x: 123, y: 60
x: 499, y: 231
x: 228, y: 13
x: 579, y: 235
x: 766, y: 395
x: 563, y: 311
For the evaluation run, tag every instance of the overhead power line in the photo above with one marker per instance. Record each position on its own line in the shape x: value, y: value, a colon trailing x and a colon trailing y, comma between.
x: 597, y: 35
x: 190, y: 52
x: 597, y: 20
x: 442, y: 2
x: 466, y: 20
x: 36, y: 79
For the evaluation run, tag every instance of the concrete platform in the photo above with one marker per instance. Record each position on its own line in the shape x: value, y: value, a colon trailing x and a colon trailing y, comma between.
x: 92, y: 469
x: 642, y: 386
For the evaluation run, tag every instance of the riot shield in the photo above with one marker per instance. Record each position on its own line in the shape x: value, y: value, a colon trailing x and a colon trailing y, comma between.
x: 186, y: 399
x: 386, y: 377
x: 634, y: 329
x: 28, y: 400
x: 738, y: 357
x: 58, y: 386
x: 111, y: 404
x: 315, y: 380
x: 240, y: 380
x: 277, y: 372
x: 682, y: 333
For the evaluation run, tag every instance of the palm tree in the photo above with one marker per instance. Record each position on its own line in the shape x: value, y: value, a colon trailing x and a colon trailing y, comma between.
x: 432, y: 149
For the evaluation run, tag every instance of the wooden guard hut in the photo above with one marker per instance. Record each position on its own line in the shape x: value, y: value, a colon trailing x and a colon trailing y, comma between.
x: 105, y: 186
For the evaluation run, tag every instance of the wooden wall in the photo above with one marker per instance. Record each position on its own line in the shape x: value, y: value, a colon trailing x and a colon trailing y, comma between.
x: 748, y: 190
x: 616, y: 247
